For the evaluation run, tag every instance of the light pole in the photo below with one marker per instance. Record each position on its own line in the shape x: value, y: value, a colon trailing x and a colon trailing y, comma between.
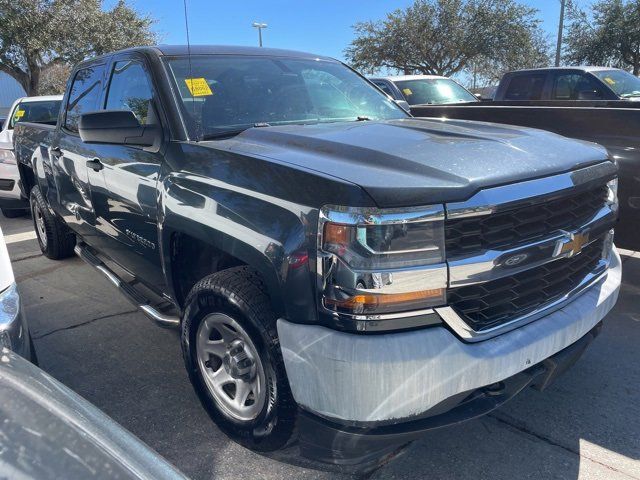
x: 260, y: 26
x: 560, y: 31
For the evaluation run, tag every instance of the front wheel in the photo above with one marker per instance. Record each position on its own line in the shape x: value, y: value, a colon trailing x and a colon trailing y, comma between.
x: 232, y: 353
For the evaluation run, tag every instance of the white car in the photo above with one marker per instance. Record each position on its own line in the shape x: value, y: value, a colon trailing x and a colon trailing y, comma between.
x: 42, y: 109
x: 14, y: 332
x: 424, y: 89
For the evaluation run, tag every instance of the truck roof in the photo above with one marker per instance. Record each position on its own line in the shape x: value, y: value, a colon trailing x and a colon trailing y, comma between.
x: 584, y: 68
x: 40, y: 98
x: 171, y: 50
x: 402, y: 78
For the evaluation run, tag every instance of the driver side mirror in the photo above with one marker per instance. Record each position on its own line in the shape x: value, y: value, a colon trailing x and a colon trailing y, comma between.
x: 118, y: 127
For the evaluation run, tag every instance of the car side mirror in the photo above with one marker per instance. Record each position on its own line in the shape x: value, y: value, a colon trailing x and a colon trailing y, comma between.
x: 404, y: 105
x: 118, y: 127
x: 589, y: 95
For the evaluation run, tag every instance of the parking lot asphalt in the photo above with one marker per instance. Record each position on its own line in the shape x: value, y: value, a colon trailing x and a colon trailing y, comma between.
x: 586, y: 426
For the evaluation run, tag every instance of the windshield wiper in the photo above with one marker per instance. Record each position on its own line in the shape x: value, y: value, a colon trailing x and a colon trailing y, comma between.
x: 362, y: 118
x: 232, y: 132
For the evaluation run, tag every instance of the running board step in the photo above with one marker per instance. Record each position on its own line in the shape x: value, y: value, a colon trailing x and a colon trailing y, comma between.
x: 127, y: 290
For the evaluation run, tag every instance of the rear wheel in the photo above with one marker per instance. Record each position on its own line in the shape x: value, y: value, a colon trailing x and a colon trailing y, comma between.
x: 56, y: 240
x: 233, y: 357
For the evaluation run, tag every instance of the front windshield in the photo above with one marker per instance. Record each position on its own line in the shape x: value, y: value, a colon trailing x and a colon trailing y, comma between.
x: 622, y: 83
x: 434, y: 91
x: 229, y: 93
x: 37, y: 112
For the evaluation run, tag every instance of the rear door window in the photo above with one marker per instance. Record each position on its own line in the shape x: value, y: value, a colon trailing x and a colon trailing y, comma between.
x: 130, y: 89
x: 526, y: 87
x: 84, y: 95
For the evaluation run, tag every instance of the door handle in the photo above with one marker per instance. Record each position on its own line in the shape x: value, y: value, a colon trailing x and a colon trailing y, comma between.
x: 95, y: 164
x: 56, y: 152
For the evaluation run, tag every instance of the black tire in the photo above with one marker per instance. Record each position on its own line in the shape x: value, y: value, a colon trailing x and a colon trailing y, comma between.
x: 34, y: 355
x: 240, y: 293
x: 14, y: 213
x: 56, y: 240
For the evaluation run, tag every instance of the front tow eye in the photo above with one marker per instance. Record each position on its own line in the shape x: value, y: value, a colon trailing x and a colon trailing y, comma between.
x: 238, y: 363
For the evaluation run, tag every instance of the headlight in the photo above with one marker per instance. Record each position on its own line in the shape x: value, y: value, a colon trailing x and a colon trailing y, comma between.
x: 612, y: 194
x: 7, y: 156
x: 376, y: 261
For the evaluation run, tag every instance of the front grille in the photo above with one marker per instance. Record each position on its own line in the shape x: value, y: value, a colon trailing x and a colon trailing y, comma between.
x: 465, y: 236
x: 488, y: 304
x: 7, y: 185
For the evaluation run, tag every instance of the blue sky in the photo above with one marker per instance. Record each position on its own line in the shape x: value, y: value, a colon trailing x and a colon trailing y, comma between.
x: 318, y: 26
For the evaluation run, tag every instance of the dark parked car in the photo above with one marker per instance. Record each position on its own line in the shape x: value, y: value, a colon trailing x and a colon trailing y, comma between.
x: 339, y: 271
x: 595, y: 104
x: 49, y: 432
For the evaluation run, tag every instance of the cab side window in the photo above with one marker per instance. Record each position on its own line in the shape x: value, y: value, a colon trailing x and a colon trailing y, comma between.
x: 384, y: 87
x: 130, y: 89
x: 575, y: 86
x: 525, y: 87
x: 84, y: 95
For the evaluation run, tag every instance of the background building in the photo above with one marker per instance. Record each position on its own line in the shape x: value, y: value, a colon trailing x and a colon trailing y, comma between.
x: 9, y: 91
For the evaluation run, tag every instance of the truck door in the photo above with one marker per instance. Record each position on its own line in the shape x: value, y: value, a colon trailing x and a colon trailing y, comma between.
x: 123, y: 185
x: 69, y: 155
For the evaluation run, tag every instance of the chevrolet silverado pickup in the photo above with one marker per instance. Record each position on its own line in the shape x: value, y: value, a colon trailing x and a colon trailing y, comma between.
x: 343, y: 275
x: 596, y: 104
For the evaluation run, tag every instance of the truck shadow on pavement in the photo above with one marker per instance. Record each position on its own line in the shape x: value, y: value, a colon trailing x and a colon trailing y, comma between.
x: 88, y: 337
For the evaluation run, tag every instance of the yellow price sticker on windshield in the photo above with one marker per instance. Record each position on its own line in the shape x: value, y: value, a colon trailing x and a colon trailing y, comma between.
x: 609, y: 80
x: 198, y: 87
x: 407, y: 91
x: 19, y: 114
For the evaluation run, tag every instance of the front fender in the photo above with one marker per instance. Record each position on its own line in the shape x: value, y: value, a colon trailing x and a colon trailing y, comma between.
x: 268, y: 235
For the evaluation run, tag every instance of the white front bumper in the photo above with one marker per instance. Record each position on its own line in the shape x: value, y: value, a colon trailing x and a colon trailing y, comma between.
x: 9, y: 171
x: 369, y: 378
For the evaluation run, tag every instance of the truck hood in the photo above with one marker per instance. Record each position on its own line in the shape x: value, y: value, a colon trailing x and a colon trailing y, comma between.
x: 418, y: 161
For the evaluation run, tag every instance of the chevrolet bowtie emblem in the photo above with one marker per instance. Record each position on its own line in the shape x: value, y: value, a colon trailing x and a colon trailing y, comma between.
x: 571, y: 244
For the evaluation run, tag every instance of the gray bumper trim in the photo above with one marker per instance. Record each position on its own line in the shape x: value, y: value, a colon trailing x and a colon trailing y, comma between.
x: 366, y: 378
x: 13, y: 327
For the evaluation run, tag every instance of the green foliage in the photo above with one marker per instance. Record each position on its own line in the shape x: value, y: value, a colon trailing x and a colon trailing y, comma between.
x: 446, y: 37
x: 36, y: 35
x: 607, y: 35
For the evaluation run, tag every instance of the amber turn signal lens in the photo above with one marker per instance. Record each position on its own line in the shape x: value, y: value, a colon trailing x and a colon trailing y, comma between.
x: 337, y: 234
x: 367, y: 302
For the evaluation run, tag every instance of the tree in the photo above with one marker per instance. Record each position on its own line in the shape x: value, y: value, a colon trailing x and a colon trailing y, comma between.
x: 53, y: 79
x: 608, y: 35
x: 445, y: 37
x: 39, y: 36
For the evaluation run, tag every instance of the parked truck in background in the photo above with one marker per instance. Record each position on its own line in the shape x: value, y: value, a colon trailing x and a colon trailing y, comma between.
x: 596, y: 104
x: 340, y: 272
x: 43, y: 109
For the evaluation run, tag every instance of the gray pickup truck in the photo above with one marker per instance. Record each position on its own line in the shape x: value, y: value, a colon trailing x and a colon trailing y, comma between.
x: 342, y: 274
x: 596, y: 104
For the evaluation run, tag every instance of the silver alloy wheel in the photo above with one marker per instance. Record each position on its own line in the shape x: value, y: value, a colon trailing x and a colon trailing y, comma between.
x: 38, y: 218
x: 231, y: 367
